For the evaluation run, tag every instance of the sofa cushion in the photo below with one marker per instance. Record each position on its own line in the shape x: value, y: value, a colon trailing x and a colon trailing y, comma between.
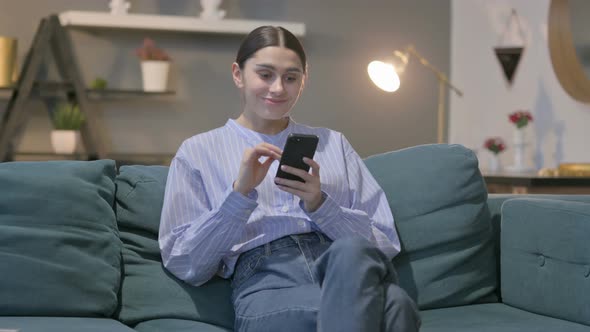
x: 148, y: 290
x: 545, y: 257
x: 493, y: 317
x: 438, y: 199
x: 59, y: 247
x: 178, y: 325
x: 61, y: 324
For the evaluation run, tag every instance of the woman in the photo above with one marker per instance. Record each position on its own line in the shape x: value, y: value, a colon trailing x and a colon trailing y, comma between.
x: 302, y: 256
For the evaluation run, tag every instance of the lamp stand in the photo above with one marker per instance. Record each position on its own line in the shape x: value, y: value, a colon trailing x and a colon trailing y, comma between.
x: 443, y: 82
x: 441, y: 123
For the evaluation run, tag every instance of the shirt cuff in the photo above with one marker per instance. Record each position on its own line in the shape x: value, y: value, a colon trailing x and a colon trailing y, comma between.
x: 325, y: 213
x: 238, y: 205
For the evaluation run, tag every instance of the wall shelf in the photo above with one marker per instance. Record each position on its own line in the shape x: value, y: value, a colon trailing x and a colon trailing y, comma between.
x: 55, y: 89
x: 170, y: 23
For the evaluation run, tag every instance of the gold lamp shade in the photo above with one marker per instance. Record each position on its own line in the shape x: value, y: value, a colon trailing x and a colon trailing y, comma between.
x: 7, y: 61
x: 384, y: 76
x: 385, y: 73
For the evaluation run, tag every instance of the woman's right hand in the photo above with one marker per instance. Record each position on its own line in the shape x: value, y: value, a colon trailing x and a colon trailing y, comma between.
x: 252, y: 171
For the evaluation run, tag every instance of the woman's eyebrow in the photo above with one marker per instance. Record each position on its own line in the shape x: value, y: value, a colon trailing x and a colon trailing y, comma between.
x: 271, y: 67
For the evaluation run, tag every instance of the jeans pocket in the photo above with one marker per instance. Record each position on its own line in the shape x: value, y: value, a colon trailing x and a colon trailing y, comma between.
x: 246, y: 267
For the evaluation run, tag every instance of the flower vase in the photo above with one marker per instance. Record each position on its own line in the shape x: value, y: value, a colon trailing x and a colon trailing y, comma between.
x: 520, y: 144
x: 65, y: 141
x: 155, y: 75
x: 494, y: 163
x: 519, y: 136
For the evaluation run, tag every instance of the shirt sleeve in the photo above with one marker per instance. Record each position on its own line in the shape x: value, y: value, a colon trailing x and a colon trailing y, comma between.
x: 194, y: 237
x: 368, y: 215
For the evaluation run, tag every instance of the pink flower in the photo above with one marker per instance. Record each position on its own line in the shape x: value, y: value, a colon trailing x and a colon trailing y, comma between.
x: 495, y: 144
x: 149, y: 51
x: 520, y: 118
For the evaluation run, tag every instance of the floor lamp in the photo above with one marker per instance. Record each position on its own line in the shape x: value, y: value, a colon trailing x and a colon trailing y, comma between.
x: 386, y: 75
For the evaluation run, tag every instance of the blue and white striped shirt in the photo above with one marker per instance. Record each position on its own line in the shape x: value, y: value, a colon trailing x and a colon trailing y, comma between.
x: 205, y: 225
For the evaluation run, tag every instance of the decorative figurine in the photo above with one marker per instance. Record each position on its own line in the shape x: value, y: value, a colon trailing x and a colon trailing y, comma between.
x: 211, y: 10
x: 119, y: 7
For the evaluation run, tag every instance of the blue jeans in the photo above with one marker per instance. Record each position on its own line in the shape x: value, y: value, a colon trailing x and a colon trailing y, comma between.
x: 307, y: 283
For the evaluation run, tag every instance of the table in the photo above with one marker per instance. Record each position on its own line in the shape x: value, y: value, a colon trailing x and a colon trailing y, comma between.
x: 532, y: 183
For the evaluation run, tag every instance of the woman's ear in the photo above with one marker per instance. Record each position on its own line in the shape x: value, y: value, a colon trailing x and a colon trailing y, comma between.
x: 303, y: 81
x: 305, y: 76
x: 237, y: 75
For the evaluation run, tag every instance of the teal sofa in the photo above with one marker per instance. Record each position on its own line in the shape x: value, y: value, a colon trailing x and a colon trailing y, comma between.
x: 79, y: 251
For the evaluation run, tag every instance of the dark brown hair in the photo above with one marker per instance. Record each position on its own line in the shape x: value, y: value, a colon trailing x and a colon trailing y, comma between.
x: 265, y: 36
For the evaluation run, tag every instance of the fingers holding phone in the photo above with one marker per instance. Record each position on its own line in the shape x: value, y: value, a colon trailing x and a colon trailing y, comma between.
x: 296, y: 148
x: 293, y: 174
x: 300, y: 176
x: 309, y: 191
x: 252, y: 169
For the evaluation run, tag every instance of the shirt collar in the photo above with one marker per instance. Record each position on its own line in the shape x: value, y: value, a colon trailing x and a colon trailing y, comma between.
x: 255, y: 137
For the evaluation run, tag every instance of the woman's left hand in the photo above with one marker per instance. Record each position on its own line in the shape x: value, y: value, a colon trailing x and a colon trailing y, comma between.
x: 308, y: 191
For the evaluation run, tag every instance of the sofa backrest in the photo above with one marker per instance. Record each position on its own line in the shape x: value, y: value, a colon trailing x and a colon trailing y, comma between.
x: 60, y: 242
x: 60, y: 251
x: 438, y: 199
x: 148, y: 290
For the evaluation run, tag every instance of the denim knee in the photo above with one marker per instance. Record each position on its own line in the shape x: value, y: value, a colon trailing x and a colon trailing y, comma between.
x: 352, y: 250
x: 354, y: 255
x: 402, y: 313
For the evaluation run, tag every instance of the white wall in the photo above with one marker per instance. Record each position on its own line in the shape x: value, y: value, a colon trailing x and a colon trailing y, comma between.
x: 559, y: 132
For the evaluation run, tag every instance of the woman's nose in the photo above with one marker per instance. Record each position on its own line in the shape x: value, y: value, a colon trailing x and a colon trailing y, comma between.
x: 277, y: 86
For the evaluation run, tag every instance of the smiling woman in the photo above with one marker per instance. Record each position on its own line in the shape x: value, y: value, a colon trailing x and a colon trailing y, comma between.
x: 303, y: 254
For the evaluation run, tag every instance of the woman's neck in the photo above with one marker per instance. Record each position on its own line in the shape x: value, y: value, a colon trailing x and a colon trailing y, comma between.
x: 263, y: 126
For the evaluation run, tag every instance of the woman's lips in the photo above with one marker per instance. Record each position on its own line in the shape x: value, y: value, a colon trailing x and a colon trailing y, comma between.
x: 272, y: 101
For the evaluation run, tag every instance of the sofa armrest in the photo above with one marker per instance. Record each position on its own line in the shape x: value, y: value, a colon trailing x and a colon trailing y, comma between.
x: 545, y: 257
x: 495, y: 201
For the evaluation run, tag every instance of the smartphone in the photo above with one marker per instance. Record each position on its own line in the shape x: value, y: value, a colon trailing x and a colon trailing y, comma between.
x: 297, y: 147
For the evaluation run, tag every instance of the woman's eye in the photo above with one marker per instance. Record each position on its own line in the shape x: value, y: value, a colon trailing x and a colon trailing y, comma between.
x: 291, y: 78
x: 265, y: 75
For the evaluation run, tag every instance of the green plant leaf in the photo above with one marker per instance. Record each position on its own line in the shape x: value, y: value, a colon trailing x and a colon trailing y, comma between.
x: 67, y: 116
x: 99, y: 83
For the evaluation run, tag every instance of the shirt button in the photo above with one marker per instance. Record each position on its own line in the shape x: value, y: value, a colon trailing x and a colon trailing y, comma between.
x: 320, y: 219
x: 285, y: 208
x: 301, y: 223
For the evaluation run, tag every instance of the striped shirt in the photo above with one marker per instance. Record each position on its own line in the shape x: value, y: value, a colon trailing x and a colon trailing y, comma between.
x: 205, y: 225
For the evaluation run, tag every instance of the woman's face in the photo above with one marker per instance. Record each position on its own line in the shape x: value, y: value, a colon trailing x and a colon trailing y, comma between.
x: 271, y: 82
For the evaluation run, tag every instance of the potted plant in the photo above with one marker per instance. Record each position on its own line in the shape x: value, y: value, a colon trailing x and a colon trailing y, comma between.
x: 495, y: 145
x: 67, y: 121
x: 155, y: 65
x: 520, y: 119
x: 99, y: 83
